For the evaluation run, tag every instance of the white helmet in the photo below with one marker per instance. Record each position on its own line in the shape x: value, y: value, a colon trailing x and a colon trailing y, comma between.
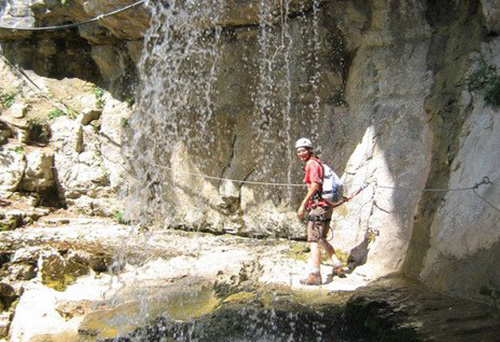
x: 303, y: 142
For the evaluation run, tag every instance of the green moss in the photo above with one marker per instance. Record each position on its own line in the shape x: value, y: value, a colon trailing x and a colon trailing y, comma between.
x: 118, y: 216
x: 298, y: 252
x: 178, y: 306
x: 486, y: 81
x: 55, y: 113
x: 60, y: 284
x: 99, y: 97
x: 184, y: 306
x: 240, y: 297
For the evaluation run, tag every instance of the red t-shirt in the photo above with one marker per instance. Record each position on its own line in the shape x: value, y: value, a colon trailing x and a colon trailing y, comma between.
x: 314, y: 173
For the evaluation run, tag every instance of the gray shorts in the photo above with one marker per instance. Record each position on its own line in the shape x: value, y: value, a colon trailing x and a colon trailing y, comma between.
x: 318, y: 224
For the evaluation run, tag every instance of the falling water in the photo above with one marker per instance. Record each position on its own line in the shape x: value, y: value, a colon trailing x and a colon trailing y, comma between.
x: 176, y: 98
x: 181, y: 86
x: 186, y: 121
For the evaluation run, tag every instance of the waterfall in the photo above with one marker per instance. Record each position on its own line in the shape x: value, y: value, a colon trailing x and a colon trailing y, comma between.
x: 225, y: 94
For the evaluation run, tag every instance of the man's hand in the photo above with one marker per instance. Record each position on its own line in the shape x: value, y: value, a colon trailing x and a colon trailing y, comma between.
x: 301, y: 212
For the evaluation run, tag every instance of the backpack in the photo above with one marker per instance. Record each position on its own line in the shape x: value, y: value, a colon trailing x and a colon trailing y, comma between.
x: 333, y: 190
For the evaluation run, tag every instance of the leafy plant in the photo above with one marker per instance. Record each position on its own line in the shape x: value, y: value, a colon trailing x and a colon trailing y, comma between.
x: 130, y: 101
x: 486, y: 81
x: 99, y: 97
x: 64, y: 2
x: 55, y: 113
x: 7, y: 99
x: 118, y: 216
x: 19, y: 150
x: 124, y: 122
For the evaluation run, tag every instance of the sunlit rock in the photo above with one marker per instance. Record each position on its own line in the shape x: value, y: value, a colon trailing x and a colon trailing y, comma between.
x: 38, y: 175
x: 12, y: 166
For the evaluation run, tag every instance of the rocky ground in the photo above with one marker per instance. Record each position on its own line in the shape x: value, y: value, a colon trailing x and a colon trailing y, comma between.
x: 74, y: 278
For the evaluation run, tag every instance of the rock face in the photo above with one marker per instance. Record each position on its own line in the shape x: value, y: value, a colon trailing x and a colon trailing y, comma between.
x: 64, y: 157
x: 382, y: 87
x: 13, y: 164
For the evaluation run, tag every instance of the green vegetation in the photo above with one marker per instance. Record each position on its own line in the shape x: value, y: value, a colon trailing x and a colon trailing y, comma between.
x: 491, y: 294
x: 99, y: 97
x: 372, y: 235
x: 118, y: 217
x: 298, y: 252
x: 129, y: 101
x: 486, y: 81
x: 64, y: 2
x: 7, y: 99
x: 57, y: 112
x: 19, y: 150
x: 124, y: 122
x: 4, y: 227
x: 59, y: 284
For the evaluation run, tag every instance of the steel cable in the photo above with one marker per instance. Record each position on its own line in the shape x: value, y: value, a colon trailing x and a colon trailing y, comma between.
x: 66, y: 26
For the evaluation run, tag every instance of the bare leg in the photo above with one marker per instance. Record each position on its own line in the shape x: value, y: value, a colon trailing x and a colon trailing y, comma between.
x: 327, y: 247
x: 315, y: 256
x: 330, y: 251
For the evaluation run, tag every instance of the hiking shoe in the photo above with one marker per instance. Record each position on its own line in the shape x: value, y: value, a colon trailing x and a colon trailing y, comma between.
x: 337, y: 271
x: 312, y: 279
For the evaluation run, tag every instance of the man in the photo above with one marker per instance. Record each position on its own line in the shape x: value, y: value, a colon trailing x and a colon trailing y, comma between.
x: 319, y: 213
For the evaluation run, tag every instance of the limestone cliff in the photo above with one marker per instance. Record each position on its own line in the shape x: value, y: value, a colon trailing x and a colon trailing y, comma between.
x: 383, y: 87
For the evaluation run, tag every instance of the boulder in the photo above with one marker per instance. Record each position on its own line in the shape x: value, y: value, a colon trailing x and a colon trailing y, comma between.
x: 12, y: 166
x: 39, y: 175
x: 5, y: 132
x: 7, y: 296
x: 491, y: 12
x: 88, y: 115
x: 18, y: 110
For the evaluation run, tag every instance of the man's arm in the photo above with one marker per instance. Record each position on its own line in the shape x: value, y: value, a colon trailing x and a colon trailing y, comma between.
x: 312, y: 190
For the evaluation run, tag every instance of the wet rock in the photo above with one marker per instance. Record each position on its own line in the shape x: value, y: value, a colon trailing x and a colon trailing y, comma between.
x: 254, y: 318
x: 100, y: 263
x: 58, y: 271
x: 397, y: 309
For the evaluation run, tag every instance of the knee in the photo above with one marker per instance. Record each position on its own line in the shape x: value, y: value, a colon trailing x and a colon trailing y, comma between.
x: 323, y: 243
